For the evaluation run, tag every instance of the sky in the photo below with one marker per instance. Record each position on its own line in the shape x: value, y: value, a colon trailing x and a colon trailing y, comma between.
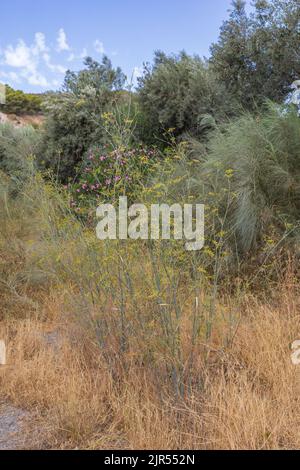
x: 41, y: 39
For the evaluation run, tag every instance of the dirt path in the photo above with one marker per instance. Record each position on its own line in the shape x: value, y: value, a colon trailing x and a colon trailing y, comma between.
x: 13, y: 422
x: 19, y: 429
x: 23, y: 120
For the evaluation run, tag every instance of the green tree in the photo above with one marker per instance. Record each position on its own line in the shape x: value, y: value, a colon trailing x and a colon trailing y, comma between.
x: 179, y: 92
x: 231, y: 55
x: 257, y: 55
x: 74, y: 116
x: 98, y: 77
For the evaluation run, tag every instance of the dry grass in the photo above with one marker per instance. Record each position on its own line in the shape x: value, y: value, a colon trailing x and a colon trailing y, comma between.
x: 250, y: 399
x: 241, y: 395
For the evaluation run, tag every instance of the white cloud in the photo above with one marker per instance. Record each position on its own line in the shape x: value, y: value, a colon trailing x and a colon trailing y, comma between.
x: 40, y: 43
x: 37, y: 79
x: 35, y: 63
x: 62, y: 43
x: 53, y: 67
x: 83, y: 53
x: 12, y: 76
x: 99, y: 47
x: 27, y: 58
x: 20, y: 57
x: 73, y: 56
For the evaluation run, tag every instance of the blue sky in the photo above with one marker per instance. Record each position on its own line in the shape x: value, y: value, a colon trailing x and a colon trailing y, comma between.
x: 40, y: 39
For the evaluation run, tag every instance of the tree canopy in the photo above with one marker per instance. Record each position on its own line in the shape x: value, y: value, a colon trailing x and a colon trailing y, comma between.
x: 257, y: 55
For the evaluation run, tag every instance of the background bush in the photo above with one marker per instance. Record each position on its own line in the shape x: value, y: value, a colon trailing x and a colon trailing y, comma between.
x: 256, y: 56
x: 17, y: 145
x: 74, y: 116
x: 180, y: 92
x: 18, y: 102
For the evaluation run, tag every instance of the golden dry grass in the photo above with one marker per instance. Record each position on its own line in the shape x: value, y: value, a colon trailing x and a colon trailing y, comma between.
x: 250, y: 398
x: 243, y: 394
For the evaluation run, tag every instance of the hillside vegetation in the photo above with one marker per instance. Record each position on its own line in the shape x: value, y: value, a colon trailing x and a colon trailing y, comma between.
x: 141, y: 344
x: 18, y: 102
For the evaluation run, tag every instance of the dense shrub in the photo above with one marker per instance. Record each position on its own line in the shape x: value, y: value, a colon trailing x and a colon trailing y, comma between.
x: 74, y: 117
x: 109, y: 174
x: 16, y: 146
x: 180, y: 92
x: 68, y: 132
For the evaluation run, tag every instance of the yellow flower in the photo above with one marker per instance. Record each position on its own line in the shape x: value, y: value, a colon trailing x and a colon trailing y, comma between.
x: 229, y: 173
x: 209, y: 252
x: 222, y: 234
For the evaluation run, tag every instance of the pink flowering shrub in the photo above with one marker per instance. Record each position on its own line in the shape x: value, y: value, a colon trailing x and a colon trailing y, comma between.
x: 110, y: 174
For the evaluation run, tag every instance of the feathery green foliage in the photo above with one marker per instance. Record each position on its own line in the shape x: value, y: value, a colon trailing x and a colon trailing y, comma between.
x: 260, y: 154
